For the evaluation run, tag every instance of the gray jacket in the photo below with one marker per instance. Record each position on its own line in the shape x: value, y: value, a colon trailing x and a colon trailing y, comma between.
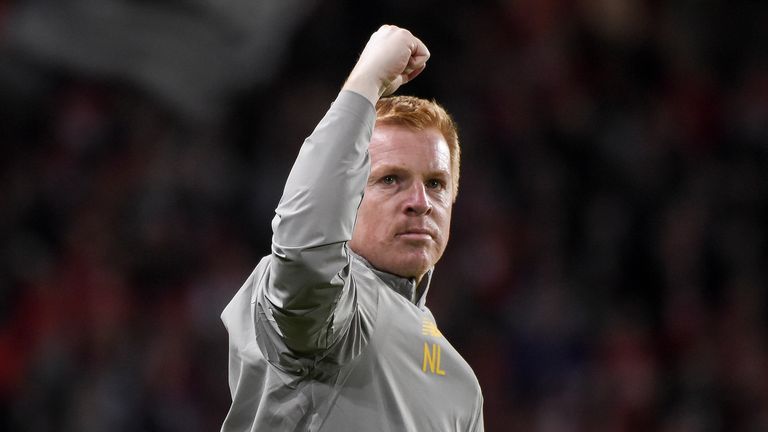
x: 322, y: 341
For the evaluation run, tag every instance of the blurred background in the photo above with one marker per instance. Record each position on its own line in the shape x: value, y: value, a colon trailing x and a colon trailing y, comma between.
x: 608, y: 263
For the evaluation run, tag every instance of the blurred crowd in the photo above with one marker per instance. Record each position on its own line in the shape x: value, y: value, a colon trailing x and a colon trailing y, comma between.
x: 608, y: 262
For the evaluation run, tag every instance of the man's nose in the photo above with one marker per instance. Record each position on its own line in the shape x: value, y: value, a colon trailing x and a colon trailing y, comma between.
x: 417, y: 201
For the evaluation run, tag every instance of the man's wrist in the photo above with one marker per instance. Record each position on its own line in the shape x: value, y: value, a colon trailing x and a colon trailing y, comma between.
x: 369, y: 89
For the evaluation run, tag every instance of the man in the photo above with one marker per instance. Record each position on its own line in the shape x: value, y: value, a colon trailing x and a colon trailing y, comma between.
x: 331, y: 332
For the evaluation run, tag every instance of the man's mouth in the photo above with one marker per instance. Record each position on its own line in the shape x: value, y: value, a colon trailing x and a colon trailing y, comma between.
x: 416, y: 234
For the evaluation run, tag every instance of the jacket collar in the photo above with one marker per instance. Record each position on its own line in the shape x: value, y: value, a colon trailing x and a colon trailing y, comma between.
x: 406, y: 287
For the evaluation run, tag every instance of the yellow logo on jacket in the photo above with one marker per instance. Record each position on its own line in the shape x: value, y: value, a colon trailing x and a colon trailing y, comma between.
x: 428, y: 328
x: 432, y: 351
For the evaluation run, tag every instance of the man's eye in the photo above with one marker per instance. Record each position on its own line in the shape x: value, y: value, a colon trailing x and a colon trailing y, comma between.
x: 388, y: 180
x: 434, y: 184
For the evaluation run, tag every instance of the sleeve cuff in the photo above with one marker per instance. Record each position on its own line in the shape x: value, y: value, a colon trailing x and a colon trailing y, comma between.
x: 357, y: 105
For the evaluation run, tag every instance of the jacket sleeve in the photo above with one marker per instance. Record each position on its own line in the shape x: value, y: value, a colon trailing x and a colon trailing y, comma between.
x: 308, y: 289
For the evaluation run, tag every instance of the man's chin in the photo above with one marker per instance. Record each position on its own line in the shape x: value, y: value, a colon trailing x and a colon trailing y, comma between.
x: 412, y: 264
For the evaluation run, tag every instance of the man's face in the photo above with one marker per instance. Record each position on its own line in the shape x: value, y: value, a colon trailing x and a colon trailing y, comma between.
x: 403, y: 221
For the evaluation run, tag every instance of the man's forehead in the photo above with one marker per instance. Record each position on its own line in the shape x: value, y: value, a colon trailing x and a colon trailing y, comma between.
x: 396, y: 142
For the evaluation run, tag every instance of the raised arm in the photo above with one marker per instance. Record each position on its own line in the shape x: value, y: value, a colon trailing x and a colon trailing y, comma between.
x: 308, y: 289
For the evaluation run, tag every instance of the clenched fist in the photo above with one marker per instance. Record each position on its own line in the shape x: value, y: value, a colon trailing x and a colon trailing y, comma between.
x: 391, y: 58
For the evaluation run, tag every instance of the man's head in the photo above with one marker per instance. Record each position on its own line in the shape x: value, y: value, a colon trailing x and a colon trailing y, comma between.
x: 404, y: 219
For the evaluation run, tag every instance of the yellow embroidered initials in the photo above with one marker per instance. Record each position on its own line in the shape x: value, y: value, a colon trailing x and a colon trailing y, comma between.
x: 432, y: 359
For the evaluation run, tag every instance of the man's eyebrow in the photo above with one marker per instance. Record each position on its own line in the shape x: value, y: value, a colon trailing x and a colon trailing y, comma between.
x: 439, y: 173
x: 385, y: 169
x: 391, y: 168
